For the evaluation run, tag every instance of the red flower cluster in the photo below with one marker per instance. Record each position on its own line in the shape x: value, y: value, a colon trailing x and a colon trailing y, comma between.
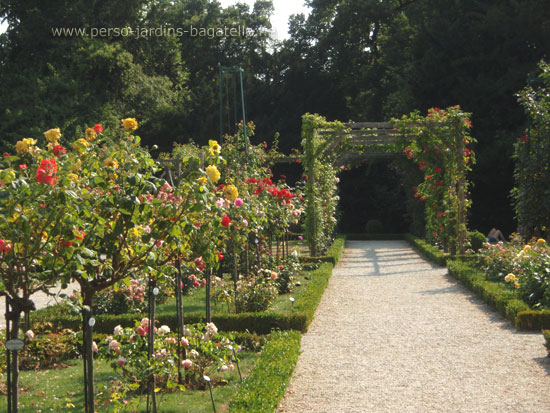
x: 45, y: 172
x: 409, y: 152
x: 4, y: 247
x: 98, y: 128
x: 261, y: 185
x: 59, y: 150
x: 422, y: 165
x: 437, y: 170
x: 225, y: 221
x: 79, y: 234
x: 200, y: 264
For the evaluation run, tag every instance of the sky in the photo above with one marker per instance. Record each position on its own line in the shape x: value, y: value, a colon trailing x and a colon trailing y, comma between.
x: 283, y: 10
x: 279, y: 20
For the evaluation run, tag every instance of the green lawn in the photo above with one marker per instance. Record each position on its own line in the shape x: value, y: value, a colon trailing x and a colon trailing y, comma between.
x: 57, y: 390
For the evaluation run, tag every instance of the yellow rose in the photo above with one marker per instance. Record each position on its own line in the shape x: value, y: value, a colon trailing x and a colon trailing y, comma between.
x: 527, y: 248
x: 541, y: 241
x: 202, y: 180
x: 130, y: 124
x: 231, y: 192
x: 111, y: 163
x: 80, y: 144
x: 44, y: 236
x: 73, y: 177
x: 213, y: 173
x: 90, y: 135
x: 77, y: 166
x: 215, y: 149
x: 24, y: 145
x: 53, y: 135
x: 113, y: 177
x: 7, y: 176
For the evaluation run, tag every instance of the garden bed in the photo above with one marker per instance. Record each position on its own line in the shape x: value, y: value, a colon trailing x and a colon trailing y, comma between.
x: 497, y: 294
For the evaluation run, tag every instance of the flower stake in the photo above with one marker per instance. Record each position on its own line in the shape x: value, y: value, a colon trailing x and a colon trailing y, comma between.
x: 236, y: 360
x: 207, y: 379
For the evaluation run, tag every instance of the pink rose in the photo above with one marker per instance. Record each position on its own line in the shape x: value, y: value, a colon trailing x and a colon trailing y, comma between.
x: 187, y: 363
x: 238, y: 202
x: 121, y: 361
x: 185, y: 342
x: 94, y: 347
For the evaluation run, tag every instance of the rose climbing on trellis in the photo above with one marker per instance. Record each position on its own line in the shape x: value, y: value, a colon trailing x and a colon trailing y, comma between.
x: 438, y: 143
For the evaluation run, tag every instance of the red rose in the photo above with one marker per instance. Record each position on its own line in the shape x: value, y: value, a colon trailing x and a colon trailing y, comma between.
x: 226, y: 221
x: 220, y: 256
x: 79, y: 234
x: 437, y: 170
x: 59, y: 150
x: 6, y: 154
x: 46, y: 171
x: 22, y: 166
x: 429, y: 177
x: 98, y: 128
x: 523, y: 139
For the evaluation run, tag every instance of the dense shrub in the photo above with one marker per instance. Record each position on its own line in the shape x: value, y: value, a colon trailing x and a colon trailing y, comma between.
x: 476, y: 240
x: 374, y: 226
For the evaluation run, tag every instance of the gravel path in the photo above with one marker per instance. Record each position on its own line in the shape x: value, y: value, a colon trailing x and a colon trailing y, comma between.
x: 394, y: 333
x: 41, y: 300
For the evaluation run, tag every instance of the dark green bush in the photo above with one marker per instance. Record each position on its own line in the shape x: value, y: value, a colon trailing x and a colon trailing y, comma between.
x: 374, y: 226
x: 264, y: 387
x: 476, y: 240
x: 533, y: 320
x: 546, y: 334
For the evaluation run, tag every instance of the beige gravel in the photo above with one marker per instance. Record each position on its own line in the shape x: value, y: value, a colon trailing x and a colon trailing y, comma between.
x: 41, y: 300
x: 394, y: 333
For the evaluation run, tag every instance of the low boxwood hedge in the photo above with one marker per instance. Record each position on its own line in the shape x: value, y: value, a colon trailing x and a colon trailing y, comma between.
x: 264, y: 387
x: 430, y: 252
x: 260, y: 323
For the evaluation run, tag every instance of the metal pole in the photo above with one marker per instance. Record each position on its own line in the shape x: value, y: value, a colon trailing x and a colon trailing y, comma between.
x: 244, y: 115
x: 8, y: 352
x: 221, y: 100
x: 208, y: 312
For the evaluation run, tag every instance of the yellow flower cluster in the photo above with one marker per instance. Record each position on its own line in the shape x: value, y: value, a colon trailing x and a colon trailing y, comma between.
x: 80, y: 144
x: 130, y: 124
x: 25, y: 145
x: 73, y: 177
x: 215, y: 148
x: 6, y: 176
x: 213, y: 173
x: 111, y: 163
x: 231, y: 192
x: 52, y: 136
x: 90, y: 135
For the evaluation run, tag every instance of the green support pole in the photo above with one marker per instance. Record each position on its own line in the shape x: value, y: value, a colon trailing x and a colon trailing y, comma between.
x: 244, y: 116
x: 221, y: 102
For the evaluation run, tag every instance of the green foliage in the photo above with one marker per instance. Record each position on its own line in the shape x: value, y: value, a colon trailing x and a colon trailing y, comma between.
x: 374, y: 226
x: 429, y: 251
x: 532, y: 319
x: 532, y: 155
x: 546, y: 334
x: 265, y: 386
x: 438, y: 144
x: 321, y: 182
x: 476, y: 240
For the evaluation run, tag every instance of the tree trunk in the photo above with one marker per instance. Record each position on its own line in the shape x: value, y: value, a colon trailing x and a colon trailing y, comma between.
x: 87, y: 354
x: 14, y: 335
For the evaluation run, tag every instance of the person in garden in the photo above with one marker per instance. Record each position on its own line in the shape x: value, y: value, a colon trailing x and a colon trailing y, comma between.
x: 495, y: 235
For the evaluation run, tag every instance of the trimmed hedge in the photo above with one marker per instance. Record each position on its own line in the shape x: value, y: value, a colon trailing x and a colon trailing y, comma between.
x: 430, y: 252
x: 533, y: 320
x: 264, y: 387
x: 546, y: 334
x: 495, y: 294
x: 260, y: 323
